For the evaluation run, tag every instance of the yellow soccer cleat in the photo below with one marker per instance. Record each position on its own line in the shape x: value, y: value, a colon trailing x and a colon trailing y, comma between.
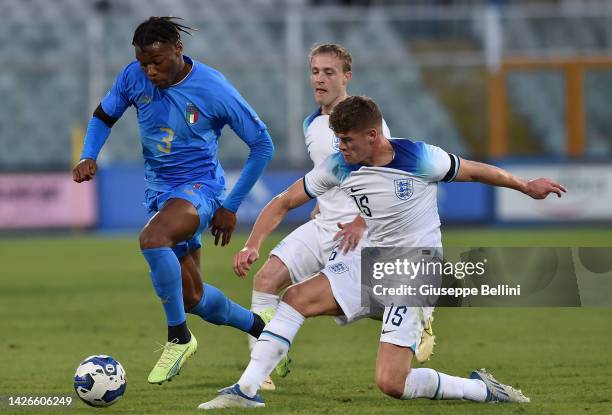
x: 268, y: 385
x: 426, y: 345
x: 172, y: 359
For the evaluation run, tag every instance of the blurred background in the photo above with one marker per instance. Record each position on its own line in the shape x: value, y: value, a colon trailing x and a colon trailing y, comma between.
x: 523, y: 84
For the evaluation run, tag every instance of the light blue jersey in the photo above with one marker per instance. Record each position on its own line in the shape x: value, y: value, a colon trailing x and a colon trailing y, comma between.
x: 180, y: 126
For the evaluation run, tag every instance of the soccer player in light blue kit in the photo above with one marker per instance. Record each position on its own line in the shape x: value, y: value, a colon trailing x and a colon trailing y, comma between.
x: 182, y: 106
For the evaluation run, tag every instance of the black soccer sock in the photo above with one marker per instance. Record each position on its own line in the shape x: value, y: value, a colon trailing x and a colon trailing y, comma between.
x: 180, y: 332
x: 257, y: 327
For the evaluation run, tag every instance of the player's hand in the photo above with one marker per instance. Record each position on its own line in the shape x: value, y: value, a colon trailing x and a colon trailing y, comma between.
x: 540, y: 188
x: 84, y: 170
x: 222, y: 225
x: 244, y: 259
x: 350, y: 233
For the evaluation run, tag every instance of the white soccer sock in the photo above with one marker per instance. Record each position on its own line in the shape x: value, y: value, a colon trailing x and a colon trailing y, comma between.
x: 261, y: 301
x: 420, y: 383
x: 428, y: 383
x: 272, y: 345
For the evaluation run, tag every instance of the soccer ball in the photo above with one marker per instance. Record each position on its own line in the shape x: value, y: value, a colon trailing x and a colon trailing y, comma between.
x: 99, y: 380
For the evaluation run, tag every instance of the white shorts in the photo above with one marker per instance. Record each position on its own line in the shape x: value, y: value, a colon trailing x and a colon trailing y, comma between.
x: 305, y: 251
x: 401, y: 325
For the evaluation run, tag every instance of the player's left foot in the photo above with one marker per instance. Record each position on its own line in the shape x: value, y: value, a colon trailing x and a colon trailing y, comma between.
x: 232, y: 397
x: 172, y: 359
x: 426, y: 345
x: 496, y: 391
x: 284, y: 366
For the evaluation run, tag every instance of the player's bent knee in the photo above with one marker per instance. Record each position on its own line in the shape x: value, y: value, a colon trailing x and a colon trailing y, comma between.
x: 267, y: 282
x: 192, y: 297
x: 150, y: 239
x: 295, y: 298
x: 391, y: 386
x: 301, y: 300
x: 272, y: 277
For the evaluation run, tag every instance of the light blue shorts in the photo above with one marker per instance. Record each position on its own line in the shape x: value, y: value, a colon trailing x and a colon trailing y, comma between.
x: 203, y: 198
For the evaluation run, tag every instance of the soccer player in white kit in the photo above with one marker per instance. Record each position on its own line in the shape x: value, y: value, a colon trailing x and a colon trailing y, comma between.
x: 370, y: 166
x: 330, y: 73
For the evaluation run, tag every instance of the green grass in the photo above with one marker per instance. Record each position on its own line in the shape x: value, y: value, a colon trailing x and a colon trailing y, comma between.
x: 64, y: 298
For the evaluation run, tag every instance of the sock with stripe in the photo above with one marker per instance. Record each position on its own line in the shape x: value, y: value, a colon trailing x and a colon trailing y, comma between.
x: 272, y: 345
x: 261, y: 301
x: 429, y: 383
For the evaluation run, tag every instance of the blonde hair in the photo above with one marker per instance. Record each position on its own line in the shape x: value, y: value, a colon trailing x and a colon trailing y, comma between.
x: 335, y: 49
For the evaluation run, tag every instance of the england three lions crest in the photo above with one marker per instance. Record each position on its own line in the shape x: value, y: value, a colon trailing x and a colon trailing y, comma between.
x: 403, y: 188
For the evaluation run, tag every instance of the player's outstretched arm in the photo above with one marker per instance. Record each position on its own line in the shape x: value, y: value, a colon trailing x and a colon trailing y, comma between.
x: 269, y: 218
x: 472, y: 171
x: 98, y: 130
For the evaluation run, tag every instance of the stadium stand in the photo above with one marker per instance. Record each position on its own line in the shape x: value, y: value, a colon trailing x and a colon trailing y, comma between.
x: 49, y: 92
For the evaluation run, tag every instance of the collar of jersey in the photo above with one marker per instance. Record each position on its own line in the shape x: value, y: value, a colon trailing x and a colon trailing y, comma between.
x: 390, y: 164
x: 193, y: 64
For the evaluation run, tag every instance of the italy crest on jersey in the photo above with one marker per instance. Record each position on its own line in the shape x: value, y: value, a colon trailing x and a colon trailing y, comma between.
x: 191, y: 113
x: 403, y: 188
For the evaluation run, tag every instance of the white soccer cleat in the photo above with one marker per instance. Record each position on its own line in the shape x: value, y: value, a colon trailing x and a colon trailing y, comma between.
x: 425, y: 348
x: 232, y: 397
x: 268, y: 385
x: 498, y: 392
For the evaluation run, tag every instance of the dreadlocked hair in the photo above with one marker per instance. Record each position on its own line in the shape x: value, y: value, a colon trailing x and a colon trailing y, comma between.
x: 159, y: 29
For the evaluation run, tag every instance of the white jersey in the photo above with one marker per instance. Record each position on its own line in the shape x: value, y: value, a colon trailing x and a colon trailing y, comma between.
x: 399, y: 200
x: 321, y: 142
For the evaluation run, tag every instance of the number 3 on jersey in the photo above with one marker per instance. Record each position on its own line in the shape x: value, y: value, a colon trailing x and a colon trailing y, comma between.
x: 167, y: 140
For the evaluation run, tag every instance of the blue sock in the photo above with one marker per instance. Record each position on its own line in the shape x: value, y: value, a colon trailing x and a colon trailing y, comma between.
x: 216, y: 308
x: 166, y: 277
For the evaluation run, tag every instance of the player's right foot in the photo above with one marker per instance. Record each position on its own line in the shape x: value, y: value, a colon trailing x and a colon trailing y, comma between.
x: 232, y: 397
x: 496, y: 391
x: 172, y: 359
x: 284, y: 366
x: 426, y: 345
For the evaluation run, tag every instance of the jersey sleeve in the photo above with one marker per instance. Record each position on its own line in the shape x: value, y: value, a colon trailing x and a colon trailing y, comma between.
x: 308, y: 120
x: 117, y: 99
x: 436, y: 165
x: 323, y: 177
x: 230, y: 108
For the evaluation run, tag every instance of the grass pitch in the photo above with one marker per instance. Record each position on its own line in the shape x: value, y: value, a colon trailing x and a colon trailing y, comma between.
x: 64, y: 298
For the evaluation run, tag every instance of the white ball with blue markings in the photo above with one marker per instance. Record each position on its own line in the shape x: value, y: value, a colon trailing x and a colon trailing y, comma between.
x: 100, y: 380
